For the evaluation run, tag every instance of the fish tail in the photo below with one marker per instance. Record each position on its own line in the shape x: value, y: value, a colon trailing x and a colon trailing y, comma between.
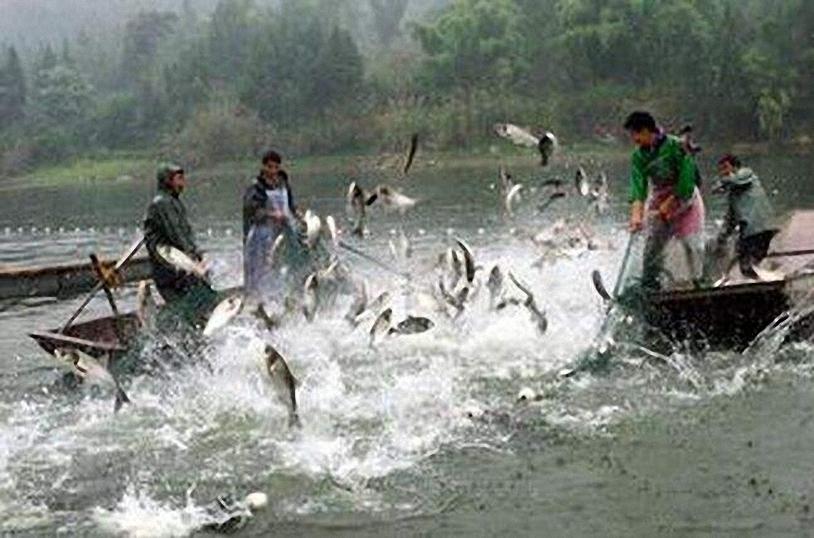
x: 294, y: 420
x: 121, y: 399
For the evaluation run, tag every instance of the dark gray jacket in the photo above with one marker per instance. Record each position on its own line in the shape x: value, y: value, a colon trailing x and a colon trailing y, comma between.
x: 167, y: 224
x: 749, y: 209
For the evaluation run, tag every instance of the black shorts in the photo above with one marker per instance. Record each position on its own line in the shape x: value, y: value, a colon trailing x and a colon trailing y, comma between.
x: 752, y: 250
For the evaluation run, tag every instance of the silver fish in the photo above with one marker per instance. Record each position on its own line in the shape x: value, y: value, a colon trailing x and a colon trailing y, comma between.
x: 538, y: 317
x: 546, y: 144
x: 413, y: 325
x: 456, y: 300
x: 468, y: 260
x: 581, y: 182
x: 91, y: 371
x: 310, y: 301
x: 276, y: 250
x: 495, y: 285
x: 181, y: 261
x: 223, y: 314
x: 379, y: 302
x: 381, y: 327
x: 313, y: 226
x: 147, y: 308
x: 391, y: 198
x: 283, y: 382
x: 359, y: 304
x: 511, y: 198
x: 333, y: 233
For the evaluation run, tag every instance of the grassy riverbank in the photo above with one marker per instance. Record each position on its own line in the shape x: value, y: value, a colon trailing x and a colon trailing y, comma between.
x: 140, y: 166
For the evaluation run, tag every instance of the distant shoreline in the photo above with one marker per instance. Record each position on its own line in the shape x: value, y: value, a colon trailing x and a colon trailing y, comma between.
x: 139, y: 166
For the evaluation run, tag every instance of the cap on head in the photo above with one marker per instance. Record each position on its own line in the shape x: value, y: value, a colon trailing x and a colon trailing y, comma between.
x: 166, y: 171
x: 639, y: 120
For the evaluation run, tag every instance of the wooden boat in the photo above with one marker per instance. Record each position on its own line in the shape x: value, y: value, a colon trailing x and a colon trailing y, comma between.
x: 108, y: 336
x: 65, y: 280
x: 730, y: 316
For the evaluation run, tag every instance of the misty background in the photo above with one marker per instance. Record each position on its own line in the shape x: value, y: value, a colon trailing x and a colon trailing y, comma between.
x: 203, y: 81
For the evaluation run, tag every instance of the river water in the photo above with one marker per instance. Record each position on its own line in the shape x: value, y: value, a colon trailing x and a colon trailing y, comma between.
x: 421, y: 435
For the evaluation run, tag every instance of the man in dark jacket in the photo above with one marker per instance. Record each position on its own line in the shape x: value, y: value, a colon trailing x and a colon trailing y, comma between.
x: 268, y: 212
x: 167, y: 224
x: 749, y: 212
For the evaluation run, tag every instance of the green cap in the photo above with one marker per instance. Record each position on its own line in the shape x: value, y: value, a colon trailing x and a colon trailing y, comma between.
x: 166, y: 171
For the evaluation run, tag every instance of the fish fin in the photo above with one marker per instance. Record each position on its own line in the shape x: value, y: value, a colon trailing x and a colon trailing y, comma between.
x: 121, y: 399
x: 411, y: 154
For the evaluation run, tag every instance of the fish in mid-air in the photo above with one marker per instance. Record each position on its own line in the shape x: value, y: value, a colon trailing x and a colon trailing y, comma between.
x: 92, y: 372
x: 546, y: 144
x: 381, y: 327
x: 223, y: 314
x: 283, y: 382
x: 181, y: 261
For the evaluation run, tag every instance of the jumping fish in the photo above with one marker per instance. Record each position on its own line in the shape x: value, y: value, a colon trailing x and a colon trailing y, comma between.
x: 412, y: 325
x: 581, y: 182
x: 495, y: 286
x: 283, y: 382
x: 391, y: 198
x: 511, y: 197
x: 313, y: 225
x: 538, y: 317
x: 333, y: 233
x: 223, y: 314
x: 91, y: 371
x: 310, y: 301
x: 146, y: 309
x: 381, y: 327
x: 358, y: 305
x: 469, y: 260
x: 180, y: 260
x: 545, y: 144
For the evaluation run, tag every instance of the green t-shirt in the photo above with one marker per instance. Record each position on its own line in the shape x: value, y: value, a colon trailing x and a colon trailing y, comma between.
x: 667, y: 164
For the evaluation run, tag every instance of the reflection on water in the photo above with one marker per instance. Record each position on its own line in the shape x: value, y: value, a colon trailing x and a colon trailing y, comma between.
x: 388, y: 433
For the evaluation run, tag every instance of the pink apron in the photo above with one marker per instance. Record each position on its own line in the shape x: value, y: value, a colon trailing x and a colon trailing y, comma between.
x: 688, y: 220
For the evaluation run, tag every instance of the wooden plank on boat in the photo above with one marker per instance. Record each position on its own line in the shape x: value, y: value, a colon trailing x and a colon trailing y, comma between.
x: 96, y: 337
x: 65, y: 280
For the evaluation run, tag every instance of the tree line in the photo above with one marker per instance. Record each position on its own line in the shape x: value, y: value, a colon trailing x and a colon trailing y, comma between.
x: 344, y: 76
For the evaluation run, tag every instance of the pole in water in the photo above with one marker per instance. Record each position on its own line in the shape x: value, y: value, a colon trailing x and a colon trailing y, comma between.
x: 371, y: 259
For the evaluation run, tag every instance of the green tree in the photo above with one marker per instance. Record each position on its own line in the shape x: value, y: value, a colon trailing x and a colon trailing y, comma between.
x: 142, y: 37
x: 387, y: 17
x: 12, y: 90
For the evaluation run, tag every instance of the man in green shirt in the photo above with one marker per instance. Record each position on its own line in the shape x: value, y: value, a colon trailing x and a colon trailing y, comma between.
x: 664, y: 197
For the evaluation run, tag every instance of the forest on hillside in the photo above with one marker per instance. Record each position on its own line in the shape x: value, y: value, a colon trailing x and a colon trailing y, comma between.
x: 220, y: 79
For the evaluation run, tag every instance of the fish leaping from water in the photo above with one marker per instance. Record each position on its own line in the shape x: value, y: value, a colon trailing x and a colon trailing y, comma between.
x: 546, y: 144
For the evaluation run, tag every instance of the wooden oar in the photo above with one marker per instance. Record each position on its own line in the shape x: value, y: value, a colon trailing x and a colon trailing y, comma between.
x: 121, y: 263
x: 790, y: 253
x: 610, y: 299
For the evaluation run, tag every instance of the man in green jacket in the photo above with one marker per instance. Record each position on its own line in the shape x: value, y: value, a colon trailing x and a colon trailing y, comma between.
x: 167, y: 224
x: 664, y: 197
x: 749, y: 212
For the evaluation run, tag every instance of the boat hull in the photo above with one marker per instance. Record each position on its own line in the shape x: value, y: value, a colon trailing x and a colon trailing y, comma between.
x: 64, y: 281
x: 729, y: 317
